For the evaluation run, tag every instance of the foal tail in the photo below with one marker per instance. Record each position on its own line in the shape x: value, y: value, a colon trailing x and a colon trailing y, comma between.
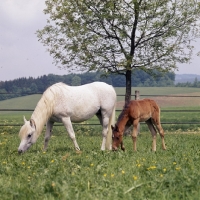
x: 109, y: 134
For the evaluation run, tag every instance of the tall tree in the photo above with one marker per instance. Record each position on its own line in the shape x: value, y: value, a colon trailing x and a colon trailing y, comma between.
x: 118, y: 36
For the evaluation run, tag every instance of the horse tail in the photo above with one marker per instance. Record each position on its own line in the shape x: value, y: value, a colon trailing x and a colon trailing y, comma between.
x: 109, y: 135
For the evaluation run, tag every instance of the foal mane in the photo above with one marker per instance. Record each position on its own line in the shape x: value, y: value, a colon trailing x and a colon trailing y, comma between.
x: 124, y: 113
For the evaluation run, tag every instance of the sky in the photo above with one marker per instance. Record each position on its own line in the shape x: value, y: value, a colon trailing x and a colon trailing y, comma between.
x: 22, y: 55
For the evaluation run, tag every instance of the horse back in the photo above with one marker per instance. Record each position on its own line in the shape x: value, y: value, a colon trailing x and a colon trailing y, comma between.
x: 81, y: 102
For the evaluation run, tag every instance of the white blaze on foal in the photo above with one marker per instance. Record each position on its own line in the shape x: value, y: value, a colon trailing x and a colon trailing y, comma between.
x: 67, y: 104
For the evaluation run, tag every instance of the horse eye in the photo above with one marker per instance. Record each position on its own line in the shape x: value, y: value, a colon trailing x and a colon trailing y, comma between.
x: 117, y: 138
x: 29, y: 135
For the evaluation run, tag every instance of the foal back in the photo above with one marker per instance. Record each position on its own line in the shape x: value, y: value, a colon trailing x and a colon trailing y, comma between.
x: 144, y: 109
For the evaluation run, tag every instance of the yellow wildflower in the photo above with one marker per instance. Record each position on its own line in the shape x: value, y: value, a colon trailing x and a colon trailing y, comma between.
x: 112, y: 175
x: 135, y: 178
x: 151, y: 167
x: 53, y: 184
x: 123, y: 172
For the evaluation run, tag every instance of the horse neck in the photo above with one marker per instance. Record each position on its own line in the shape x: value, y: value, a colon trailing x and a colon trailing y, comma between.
x: 122, y: 121
x: 41, y: 114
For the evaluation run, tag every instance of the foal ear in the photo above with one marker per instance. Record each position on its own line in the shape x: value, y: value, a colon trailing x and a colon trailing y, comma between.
x: 116, y: 128
x: 25, y: 120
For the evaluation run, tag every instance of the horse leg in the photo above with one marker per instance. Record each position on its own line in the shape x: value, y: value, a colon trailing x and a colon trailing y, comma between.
x: 104, y: 121
x: 105, y: 134
x: 105, y: 144
x: 49, y: 127
x: 99, y: 116
x: 134, y: 134
x: 153, y: 133
x: 161, y: 132
x: 68, y: 125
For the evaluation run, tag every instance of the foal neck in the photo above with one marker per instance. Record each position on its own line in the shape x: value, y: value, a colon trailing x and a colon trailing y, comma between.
x: 123, y: 119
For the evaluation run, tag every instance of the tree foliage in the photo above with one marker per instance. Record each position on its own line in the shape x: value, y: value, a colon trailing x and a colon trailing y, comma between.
x: 118, y: 36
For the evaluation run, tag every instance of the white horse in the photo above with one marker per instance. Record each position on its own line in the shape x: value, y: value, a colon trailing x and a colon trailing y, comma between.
x: 67, y: 104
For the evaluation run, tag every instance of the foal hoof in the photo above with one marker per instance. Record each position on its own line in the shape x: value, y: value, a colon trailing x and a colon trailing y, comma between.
x: 123, y: 148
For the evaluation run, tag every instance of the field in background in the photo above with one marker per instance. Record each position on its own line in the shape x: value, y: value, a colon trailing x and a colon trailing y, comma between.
x: 175, y: 103
x: 30, y: 101
x: 165, y: 101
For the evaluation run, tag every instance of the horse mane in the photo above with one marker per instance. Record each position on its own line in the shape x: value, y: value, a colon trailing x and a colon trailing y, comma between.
x: 124, y: 113
x: 44, y: 108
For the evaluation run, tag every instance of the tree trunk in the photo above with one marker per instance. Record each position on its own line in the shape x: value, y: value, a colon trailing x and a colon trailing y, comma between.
x: 128, y: 87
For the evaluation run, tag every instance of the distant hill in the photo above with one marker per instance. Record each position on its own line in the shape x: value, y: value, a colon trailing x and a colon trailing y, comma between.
x: 183, y: 78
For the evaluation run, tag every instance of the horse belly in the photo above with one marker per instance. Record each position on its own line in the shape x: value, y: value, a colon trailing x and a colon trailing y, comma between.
x: 145, y: 117
x: 76, y: 113
x: 80, y: 118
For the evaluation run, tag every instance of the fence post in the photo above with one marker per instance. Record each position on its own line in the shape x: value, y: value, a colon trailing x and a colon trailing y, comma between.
x: 137, y: 94
x: 137, y: 97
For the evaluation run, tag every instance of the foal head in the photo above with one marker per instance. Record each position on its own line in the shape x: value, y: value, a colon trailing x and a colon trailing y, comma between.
x: 27, y: 135
x: 117, y: 138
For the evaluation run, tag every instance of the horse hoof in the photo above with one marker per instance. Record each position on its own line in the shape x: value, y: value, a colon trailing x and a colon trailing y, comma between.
x: 78, y: 152
x: 123, y: 148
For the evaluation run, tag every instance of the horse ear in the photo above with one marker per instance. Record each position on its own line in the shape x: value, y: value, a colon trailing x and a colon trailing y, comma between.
x: 25, y: 120
x: 112, y: 127
x: 117, y: 128
x: 32, y: 123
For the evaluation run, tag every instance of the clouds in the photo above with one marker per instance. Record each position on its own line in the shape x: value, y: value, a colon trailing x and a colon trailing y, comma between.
x: 21, y: 12
x: 21, y: 55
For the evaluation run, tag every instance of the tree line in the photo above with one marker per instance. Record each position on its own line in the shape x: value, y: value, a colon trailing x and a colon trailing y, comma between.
x: 24, y: 86
x: 195, y: 84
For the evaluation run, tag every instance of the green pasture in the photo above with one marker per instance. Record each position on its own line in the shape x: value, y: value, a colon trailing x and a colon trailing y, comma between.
x: 62, y: 173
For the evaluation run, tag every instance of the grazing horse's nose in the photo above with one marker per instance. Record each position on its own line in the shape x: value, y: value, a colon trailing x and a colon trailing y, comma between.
x: 19, y: 151
x: 114, y: 148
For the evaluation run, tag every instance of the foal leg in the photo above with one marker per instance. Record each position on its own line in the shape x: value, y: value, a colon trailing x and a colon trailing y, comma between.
x: 134, y: 134
x: 161, y: 132
x: 68, y: 125
x: 49, y: 127
x: 153, y: 133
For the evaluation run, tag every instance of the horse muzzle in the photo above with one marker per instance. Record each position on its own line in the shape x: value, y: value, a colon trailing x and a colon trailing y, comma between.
x: 20, y: 151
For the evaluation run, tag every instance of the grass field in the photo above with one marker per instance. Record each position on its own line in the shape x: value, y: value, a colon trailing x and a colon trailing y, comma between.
x: 61, y: 173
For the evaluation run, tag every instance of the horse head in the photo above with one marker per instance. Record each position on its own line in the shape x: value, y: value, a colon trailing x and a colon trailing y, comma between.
x: 117, y: 138
x: 27, y: 135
